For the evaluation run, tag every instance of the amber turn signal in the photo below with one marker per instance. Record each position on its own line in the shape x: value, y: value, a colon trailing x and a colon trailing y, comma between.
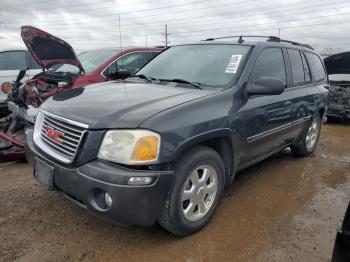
x: 146, y: 149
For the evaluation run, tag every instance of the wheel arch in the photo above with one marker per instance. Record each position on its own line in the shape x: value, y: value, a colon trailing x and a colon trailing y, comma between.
x: 218, y: 140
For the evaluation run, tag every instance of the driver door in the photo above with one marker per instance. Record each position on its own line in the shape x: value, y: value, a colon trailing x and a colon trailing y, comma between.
x: 266, y: 119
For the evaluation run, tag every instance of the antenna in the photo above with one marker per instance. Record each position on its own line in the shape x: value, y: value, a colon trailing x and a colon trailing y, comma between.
x: 120, y: 37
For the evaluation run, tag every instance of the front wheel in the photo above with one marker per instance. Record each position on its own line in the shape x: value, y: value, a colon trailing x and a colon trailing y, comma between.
x: 198, y: 185
x: 309, y: 139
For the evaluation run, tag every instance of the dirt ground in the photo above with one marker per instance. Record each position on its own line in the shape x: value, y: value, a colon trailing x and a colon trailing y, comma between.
x: 283, y: 209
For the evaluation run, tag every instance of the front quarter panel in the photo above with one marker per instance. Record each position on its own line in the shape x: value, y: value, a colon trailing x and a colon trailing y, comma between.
x: 190, y: 123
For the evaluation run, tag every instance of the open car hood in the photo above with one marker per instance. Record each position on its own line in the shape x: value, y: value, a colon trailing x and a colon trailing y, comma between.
x: 338, y: 63
x: 48, y: 50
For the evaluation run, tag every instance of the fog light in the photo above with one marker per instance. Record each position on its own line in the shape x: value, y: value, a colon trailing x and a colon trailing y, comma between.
x: 137, y: 180
x: 108, y: 199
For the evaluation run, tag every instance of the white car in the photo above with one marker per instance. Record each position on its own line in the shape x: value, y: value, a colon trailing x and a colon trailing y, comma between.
x: 11, y: 62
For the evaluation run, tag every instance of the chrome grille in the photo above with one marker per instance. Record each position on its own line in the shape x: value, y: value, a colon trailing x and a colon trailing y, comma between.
x: 58, y: 136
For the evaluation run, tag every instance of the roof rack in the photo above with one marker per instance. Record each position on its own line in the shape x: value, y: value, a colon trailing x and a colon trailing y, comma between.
x: 269, y: 39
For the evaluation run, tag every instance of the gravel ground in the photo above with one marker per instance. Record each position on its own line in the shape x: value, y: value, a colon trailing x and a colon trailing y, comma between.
x: 283, y: 209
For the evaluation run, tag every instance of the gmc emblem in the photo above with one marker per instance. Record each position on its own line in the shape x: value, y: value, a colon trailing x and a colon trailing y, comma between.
x: 53, y: 134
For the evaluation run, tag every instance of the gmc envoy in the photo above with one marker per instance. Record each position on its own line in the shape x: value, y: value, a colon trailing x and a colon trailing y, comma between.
x: 161, y: 146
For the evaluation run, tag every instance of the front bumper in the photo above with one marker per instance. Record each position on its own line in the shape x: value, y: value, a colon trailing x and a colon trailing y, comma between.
x: 137, y: 205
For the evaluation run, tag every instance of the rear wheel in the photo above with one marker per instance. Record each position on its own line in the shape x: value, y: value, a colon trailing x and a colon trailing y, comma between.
x: 309, y: 139
x: 198, y: 185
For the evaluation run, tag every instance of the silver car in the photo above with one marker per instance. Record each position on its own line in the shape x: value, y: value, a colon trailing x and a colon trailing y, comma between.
x: 11, y: 62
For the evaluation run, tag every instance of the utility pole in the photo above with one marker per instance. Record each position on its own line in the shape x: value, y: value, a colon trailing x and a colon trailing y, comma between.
x: 120, y: 32
x: 146, y: 36
x: 166, y: 34
x: 279, y: 32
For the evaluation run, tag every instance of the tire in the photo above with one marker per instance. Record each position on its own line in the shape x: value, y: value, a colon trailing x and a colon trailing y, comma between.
x: 307, y: 144
x: 192, y: 166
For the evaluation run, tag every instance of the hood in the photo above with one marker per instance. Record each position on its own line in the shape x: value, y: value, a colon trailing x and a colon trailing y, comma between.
x: 48, y: 50
x: 338, y: 63
x: 119, y: 104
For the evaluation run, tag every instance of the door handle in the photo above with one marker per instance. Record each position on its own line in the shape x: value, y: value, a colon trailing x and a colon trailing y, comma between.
x: 287, y: 103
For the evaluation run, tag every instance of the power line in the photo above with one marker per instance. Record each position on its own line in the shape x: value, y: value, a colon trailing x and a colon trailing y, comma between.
x: 258, y: 29
x: 212, y: 22
x: 164, y: 7
x: 277, y: 23
x: 75, y: 5
x: 245, y: 25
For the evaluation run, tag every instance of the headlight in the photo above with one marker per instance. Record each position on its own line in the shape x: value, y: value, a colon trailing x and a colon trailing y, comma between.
x: 130, y: 147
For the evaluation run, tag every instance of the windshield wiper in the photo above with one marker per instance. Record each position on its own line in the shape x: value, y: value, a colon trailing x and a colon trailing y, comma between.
x: 144, y: 77
x: 183, y: 81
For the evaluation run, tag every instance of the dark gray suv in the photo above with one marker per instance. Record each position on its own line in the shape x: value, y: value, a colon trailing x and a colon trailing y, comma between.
x: 162, y: 145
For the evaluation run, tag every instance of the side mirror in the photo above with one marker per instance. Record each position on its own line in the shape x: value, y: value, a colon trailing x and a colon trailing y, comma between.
x: 20, y: 75
x: 266, y: 86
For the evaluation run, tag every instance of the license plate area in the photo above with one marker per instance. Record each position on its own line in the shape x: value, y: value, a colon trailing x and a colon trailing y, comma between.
x: 43, y: 173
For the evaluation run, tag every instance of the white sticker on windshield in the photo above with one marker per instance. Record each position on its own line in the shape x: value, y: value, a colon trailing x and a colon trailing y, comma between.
x: 233, y: 64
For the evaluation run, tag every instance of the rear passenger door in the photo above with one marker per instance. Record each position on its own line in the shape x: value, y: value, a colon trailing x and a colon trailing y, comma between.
x: 303, y: 88
x: 266, y: 119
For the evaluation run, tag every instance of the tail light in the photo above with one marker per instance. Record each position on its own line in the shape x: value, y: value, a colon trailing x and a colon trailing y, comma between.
x: 6, y: 87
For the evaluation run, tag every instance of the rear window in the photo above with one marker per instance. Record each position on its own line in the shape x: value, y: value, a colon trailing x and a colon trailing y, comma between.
x: 297, y: 67
x: 13, y: 60
x: 316, y: 67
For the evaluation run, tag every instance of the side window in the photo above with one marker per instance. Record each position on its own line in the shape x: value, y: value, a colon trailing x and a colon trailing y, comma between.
x: 12, y: 60
x: 306, y: 69
x: 296, y: 63
x: 270, y: 63
x: 131, y: 62
x: 316, y: 67
x: 153, y: 54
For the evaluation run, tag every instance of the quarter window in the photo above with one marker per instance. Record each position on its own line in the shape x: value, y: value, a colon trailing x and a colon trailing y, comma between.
x: 296, y: 63
x: 14, y: 60
x: 306, y: 70
x: 270, y: 63
x: 316, y: 67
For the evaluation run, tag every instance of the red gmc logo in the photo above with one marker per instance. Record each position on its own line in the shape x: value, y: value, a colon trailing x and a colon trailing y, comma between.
x: 53, y: 134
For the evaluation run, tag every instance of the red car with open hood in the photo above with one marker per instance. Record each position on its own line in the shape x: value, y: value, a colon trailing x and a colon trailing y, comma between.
x: 62, y: 70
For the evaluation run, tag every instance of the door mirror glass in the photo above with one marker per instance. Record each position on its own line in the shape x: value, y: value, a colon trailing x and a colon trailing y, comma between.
x: 266, y: 86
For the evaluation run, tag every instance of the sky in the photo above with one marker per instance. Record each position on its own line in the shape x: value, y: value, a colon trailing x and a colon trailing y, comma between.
x: 88, y: 24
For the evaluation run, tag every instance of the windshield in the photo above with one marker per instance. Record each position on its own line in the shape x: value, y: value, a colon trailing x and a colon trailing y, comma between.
x: 90, y: 61
x: 208, y: 65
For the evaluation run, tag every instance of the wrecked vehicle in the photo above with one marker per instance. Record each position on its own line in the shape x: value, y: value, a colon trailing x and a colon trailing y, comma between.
x: 341, y: 251
x: 338, y: 69
x: 11, y: 62
x: 48, y: 51
x: 164, y: 143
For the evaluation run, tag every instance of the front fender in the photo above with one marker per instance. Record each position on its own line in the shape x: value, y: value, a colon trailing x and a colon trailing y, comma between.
x: 190, y: 142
